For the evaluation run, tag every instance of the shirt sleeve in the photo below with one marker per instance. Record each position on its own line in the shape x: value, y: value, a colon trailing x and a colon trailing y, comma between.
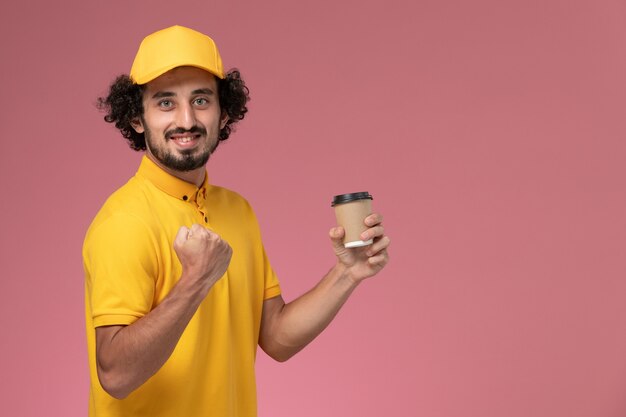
x: 121, y: 262
x: 272, y: 286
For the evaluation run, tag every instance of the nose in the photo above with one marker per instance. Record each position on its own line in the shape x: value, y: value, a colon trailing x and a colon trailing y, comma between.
x: 185, y: 117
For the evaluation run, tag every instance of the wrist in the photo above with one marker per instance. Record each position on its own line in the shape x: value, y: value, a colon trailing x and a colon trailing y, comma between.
x: 192, y: 287
x: 344, y: 277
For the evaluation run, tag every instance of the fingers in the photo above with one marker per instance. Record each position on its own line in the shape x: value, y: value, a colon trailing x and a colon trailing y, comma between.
x: 378, y: 260
x: 378, y: 247
x: 197, y: 230
x: 374, y: 219
x: 197, y: 240
x: 377, y: 253
x: 365, y: 261
x: 376, y: 229
x: 373, y: 233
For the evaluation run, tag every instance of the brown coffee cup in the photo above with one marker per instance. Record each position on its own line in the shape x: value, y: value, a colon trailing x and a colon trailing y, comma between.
x: 351, y: 211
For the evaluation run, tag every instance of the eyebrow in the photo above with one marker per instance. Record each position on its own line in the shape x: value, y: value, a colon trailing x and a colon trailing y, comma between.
x: 161, y: 94
x: 206, y: 91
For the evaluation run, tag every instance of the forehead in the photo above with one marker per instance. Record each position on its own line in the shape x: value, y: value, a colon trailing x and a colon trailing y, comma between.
x: 181, y: 80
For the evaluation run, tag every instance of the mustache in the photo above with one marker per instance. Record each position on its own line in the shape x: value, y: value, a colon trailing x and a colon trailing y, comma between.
x: 179, y: 131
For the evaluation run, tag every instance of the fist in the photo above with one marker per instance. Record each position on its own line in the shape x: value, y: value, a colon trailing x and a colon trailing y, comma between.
x: 203, y: 255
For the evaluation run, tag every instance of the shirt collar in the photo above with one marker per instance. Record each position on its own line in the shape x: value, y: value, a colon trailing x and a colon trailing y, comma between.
x: 170, y: 184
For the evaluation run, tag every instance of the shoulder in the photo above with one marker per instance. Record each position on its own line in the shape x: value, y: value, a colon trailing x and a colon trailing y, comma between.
x: 131, y: 197
x: 226, y: 194
x: 127, y: 209
x: 228, y: 199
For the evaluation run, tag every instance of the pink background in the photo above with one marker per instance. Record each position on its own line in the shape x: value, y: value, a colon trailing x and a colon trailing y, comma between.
x: 491, y: 134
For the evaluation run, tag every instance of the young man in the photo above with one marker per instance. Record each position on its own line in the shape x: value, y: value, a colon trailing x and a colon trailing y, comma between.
x: 179, y: 291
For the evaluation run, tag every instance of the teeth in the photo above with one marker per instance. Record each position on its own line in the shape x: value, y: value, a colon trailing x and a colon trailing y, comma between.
x: 184, y: 140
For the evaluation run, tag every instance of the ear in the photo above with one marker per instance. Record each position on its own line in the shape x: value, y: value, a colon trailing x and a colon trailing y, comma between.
x: 223, y: 119
x: 137, y: 125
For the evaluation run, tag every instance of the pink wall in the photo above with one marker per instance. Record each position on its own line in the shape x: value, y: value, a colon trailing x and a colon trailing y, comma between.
x: 491, y: 134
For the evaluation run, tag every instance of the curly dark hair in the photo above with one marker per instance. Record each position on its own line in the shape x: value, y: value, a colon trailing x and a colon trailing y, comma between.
x: 124, y: 104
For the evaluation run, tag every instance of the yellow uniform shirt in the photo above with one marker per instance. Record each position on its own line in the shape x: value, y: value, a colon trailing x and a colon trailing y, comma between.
x: 130, y: 267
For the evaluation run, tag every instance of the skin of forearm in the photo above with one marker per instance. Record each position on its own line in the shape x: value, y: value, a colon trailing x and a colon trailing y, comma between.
x: 303, y: 319
x: 130, y: 356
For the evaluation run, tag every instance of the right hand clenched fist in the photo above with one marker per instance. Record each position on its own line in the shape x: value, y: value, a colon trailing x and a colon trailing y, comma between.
x: 203, y: 255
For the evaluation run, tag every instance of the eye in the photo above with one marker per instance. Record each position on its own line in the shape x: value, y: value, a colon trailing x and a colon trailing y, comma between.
x: 165, y: 104
x: 201, y: 101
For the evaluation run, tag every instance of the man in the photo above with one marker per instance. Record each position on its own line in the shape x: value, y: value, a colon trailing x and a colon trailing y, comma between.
x: 179, y: 291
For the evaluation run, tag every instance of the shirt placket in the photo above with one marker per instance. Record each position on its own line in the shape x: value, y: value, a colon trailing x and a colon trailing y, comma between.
x: 201, y: 207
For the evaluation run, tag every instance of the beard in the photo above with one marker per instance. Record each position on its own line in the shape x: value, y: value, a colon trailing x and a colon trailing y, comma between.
x: 186, y: 160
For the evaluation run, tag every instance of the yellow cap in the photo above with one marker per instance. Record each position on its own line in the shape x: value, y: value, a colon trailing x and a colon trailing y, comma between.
x: 176, y: 46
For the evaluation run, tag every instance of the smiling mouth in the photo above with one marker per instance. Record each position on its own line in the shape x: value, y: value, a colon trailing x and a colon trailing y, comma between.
x: 185, y: 139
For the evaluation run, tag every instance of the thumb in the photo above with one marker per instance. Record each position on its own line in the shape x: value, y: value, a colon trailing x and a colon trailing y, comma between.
x: 181, y: 237
x: 336, y: 238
